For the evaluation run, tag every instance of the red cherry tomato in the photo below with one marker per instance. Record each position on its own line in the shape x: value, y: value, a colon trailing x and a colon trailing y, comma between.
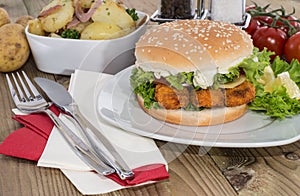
x: 253, y: 26
x: 290, y: 19
x: 292, y: 48
x: 293, y: 21
x: 264, y: 20
x: 271, y: 38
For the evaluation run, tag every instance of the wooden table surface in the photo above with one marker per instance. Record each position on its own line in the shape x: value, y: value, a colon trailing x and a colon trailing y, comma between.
x: 220, y: 171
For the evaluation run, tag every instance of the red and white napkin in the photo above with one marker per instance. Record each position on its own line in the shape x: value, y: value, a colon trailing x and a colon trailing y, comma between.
x: 42, y: 142
x: 29, y: 141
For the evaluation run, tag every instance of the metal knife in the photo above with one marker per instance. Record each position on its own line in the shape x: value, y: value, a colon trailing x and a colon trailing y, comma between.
x: 62, y: 99
x: 79, y: 147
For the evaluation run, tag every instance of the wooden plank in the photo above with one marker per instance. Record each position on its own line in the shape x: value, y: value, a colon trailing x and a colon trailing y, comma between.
x: 15, y: 8
x: 193, y: 172
x: 21, y: 177
x: 148, y: 7
x: 275, y: 4
x: 34, y: 7
x: 223, y: 171
x: 262, y: 171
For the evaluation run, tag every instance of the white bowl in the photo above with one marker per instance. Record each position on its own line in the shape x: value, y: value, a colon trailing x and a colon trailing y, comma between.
x: 63, y: 56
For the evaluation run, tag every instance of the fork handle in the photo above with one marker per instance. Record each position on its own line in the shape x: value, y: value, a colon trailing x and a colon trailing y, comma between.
x: 79, y: 147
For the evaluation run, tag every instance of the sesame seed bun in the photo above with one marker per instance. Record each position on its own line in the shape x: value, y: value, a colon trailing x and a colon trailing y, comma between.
x: 190, y: 45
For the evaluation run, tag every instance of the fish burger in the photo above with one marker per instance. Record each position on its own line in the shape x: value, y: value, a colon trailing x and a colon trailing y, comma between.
x: 187, y: 72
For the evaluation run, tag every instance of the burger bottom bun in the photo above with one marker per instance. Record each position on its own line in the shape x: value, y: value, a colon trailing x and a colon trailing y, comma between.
x: 204, y: 117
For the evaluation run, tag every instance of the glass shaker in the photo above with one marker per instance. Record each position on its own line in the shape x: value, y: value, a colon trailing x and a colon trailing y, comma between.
x: 227, y: 10
x: 176, y: 9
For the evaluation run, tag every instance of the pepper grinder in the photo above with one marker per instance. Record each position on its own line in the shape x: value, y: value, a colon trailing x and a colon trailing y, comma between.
x: 170, y: 10
x: 176, y: 9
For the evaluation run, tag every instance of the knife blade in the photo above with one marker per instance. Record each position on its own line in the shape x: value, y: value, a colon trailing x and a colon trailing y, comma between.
x: 63, y: 99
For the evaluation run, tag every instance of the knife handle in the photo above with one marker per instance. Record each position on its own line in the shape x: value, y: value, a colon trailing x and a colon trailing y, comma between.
x: 87, y: 128
x: 79, y: 147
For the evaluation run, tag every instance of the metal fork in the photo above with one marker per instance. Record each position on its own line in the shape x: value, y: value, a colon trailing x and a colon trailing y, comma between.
x: 28, y: 100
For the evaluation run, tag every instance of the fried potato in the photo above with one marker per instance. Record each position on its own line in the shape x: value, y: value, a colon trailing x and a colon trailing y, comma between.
x: 59, y: 18
x: 100, y: 31
x: 111, y: 12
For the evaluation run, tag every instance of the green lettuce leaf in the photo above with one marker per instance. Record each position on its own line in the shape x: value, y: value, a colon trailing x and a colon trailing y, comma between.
x: 147, y: 91
x: 279, y: 66
x: 254, y: 66
x: 141, y: 82
x: 177, y: 80
x: 234, y: 73
x: 139, y: 77
x: 276, y: 104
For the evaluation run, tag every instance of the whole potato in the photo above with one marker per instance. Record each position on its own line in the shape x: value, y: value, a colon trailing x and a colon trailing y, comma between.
x: 23, y: 20
x: 14, y: 48
x: 4, y: 17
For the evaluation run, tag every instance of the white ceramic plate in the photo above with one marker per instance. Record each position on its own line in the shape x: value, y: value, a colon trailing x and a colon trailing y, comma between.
x: 117, y: 105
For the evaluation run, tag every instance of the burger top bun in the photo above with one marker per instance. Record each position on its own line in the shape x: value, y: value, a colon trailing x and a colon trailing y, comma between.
x: 190, y: 45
